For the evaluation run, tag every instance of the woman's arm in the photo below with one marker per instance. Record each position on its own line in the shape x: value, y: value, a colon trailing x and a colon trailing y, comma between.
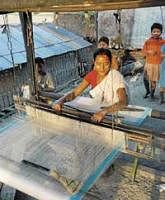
x: 72, y: 95
x: 113, y: 108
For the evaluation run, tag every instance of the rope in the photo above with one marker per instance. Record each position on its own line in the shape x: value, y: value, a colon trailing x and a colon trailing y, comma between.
x: 10, y: 47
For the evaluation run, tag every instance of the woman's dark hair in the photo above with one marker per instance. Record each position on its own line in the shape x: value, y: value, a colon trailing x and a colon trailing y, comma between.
x: 158, y: 26
x: 104, y: 39
x: 102, y: 51
x: 39, y: 60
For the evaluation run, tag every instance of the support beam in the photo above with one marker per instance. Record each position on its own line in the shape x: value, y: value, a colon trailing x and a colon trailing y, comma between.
x: 74, y: 5
x: 27, y: 29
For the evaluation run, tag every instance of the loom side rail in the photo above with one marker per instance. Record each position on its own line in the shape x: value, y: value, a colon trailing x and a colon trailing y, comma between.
x: 31, y: 181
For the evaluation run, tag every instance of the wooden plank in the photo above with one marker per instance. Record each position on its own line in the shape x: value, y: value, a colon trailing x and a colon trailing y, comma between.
x: 75, y: 5
x: 158, y: 114
x: 86, y: 117
x: 53, y: 95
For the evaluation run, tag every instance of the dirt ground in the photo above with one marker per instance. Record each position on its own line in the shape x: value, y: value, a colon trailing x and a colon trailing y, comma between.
x: 119, y: 185
x: 137, y: 91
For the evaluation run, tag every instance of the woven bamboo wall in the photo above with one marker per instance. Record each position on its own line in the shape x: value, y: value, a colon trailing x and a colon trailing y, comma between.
x: 63, y: 68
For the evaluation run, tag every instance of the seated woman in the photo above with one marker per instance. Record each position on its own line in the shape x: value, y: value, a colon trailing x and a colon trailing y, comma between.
x: 108, y: 86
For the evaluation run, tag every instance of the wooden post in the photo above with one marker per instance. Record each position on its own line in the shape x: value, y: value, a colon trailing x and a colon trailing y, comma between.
x: 72, y: 5
x: 135, y: 165
x: 27, y: 29
x: 96, y: 24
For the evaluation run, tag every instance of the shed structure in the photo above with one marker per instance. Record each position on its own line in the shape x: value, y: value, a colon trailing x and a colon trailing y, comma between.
x: 62, y: 50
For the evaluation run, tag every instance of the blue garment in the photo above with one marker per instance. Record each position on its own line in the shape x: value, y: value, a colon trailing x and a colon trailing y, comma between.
x: 162, y: 69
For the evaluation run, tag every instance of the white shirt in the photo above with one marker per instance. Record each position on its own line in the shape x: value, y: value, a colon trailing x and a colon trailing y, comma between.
x: 106, y: 91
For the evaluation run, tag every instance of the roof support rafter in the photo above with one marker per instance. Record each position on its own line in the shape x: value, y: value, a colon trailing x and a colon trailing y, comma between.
x: 74, y: 5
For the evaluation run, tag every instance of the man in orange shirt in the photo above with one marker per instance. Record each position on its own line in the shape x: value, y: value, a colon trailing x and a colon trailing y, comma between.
x: 152, y: 54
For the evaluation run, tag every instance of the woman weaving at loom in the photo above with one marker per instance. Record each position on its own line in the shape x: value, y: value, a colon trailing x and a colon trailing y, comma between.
x: 108, y: 87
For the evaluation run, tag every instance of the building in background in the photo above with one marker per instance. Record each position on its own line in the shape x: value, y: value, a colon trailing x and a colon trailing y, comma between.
x: 135, y: 24
x: 64, y: 53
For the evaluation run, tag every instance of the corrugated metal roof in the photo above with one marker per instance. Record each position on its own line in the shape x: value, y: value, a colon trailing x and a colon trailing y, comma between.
x: 67, y: 35
x: 49, y: 40
x: 4, y: 63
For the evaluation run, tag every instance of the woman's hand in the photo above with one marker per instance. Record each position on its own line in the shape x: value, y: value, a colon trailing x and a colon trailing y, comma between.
x: 99, y: 116
x: 57, y: 107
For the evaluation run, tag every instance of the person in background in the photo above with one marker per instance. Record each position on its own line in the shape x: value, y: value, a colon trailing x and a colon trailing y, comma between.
x: 127, y: 63
x: 108, y: 86
x: 162, y: 75
x: 104, y: 43
x: 43, y: 79
x: 151, y: 52
x: 127, y: 57
x: 44, y: 83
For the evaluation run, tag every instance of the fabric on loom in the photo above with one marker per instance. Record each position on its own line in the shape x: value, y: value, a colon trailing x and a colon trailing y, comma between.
x: 72, y: 149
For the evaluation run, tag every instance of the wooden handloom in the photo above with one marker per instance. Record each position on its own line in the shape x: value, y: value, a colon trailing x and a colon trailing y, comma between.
x: 42, y: 137
x: 44, y: 142
x: 19, y: 134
